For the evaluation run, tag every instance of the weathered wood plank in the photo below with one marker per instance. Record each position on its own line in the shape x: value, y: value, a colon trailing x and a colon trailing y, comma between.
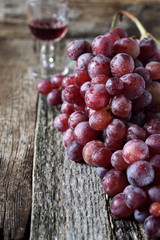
x: 68, y: 200
x: 90, y: 19
x: 17, y: 118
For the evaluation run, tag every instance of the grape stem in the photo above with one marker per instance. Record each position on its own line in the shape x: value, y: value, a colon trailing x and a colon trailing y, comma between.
x: 142, y: 30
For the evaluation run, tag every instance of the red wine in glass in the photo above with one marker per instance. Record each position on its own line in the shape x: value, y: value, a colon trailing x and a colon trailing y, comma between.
x: 48, y: 29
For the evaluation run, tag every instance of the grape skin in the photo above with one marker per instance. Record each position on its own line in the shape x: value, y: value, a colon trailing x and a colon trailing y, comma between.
x: 122, y: 64
x: 119, y: 208
x: 140, y: 174
x: 134, y: 85
x: 151, y: 226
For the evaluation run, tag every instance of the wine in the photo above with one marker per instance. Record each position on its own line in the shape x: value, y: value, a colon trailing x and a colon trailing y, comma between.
x: 48, y: 29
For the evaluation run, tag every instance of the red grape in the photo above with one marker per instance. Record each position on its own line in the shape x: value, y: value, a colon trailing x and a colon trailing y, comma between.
x: 127, y: 45
x: 44, y: 87
x: 118, y: 161
x: 100, y: 119
x: 100, y: 64
x: 154, y: 69
x: 61, y: 122
x: 97, y: 97
x: 114, y: 182
x: 78, y: 47
x: 140, y: 174
x: 75, y: 118
x: 114, y: 86
x: 84, y: 133
x: 89, y: 149
x: 135, y: 150
x: 57, y: 79
x: 121, y: 106
x: 102, y: 45
x: 101, y: 157
x: 122, y: 64
x: 151, y: 226
x: 54, y: 97
x: 134, y: 85
x: 116, y: 129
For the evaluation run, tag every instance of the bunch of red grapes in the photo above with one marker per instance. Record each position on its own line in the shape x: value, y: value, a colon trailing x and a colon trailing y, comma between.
x: 110, y: 117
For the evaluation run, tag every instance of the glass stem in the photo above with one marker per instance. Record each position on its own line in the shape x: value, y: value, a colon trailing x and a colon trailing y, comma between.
x: 47, y: 54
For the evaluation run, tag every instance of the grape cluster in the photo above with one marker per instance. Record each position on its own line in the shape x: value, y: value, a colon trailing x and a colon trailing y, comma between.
x: 110, y: 118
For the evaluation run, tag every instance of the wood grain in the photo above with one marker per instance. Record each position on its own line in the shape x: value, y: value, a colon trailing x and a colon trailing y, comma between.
x: 17, y: 118
x: 68, y: 200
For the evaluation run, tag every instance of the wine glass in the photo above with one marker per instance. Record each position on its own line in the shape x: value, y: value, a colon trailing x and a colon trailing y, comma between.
x: 47, y: 21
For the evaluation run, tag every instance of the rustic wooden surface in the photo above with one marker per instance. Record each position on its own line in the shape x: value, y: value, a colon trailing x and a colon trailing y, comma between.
x: 68, y: 200
x: 17, y: 126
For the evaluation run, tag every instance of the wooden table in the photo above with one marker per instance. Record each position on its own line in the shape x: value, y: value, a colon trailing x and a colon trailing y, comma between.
x: 42, y: 194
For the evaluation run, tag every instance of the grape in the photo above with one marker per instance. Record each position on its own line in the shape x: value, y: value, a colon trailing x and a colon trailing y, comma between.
x: 61, y: 122
x: 81, y: 76
x: 54, y: 97
x: 71, y: 94
x: 83, y: 61
x: 74, y: 152
x: 68, y: 137
x: 100, y: 79
x: 141, y: 214
x: 84, y: 88
x: 138, y: 64
x: 144, y: 73
x: 67, y: 108
x: 78, y: 47
x: 136, y: 198
x: 102, y: 45
x: 152, y: 126
x: 134, y: 85
x: 121, y: 106
x: 136, y: 132
x: 155, y: 209
x: 135, y: 150
x: 122, y: 64
x: 75, y: 118
x: 148, y: 48
x: 154, y: 89
x: 121, y: 32
x: 143, y: 101
x: 154, y: 193
x: 116, y: 129
x: 113, y: 36
x: 68, y: 80
x: 153, y: 68
x: 100, y: 119
x: 155, y: 162
x: 138, y: 118
x: 153, y: 142
x: 44, y: 87
x: 140, y: 174
x: 79, y: 107
x: 117, y: 161
x: 84, y: 133
x: 113, y: 144
x: 97, y: 97
x: 127, y: 45
x: 101, y: 157
x: 114, y: 182
x: 89, y: 149
x: 100, y: 64
x: 56, y: 80
x: 151, y: 226
x: 114, y: 86
x: 119, y: 208
x: 101, y: 172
